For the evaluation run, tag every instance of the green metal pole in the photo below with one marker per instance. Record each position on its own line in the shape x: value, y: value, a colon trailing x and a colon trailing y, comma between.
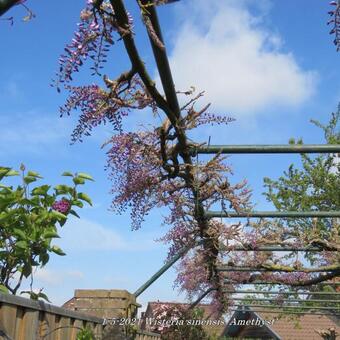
x: 162, y: 61
x: 5, y: 5
x: 263, y: 149
x: 272, y: 214
x: 278, y: 293
x: 264, y: 248
x: 287, y: 308
x: 163, y: 269
x: 285, y: 300
x: 201, y: 297
x: 277, y: 312
x: 278, y: 283
x: 246, y: 269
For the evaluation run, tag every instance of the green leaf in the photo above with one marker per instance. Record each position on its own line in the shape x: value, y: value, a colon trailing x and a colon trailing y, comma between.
x: 42, y: 190
x: 57, y: 251
x: 67, y: 173
x: 58, y: 215
x: 85, y: 176
x: 78, y: 180
x: 6, y: 172
x: 85, y: 198
x: 21, y: 244
x: 3, y: 289
x: 43, y: 296
x: 33, y: 174
x: 51, y: 234
x: 20, y: 233
x: 77, y: 203
x: 29, y: 179
x: 63, y: 189
x: 33, y: 296
x: 44, y: 258
x: 72, y: 212
x: 27, y: 270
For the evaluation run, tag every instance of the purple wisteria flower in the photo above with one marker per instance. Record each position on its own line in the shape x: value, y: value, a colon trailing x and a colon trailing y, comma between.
x: 61, y: 206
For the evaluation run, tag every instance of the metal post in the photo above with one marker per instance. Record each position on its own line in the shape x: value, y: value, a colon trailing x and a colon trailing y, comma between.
x: 265, y: 149
x: 271, y: 248
x: 246, y: 269
x: 278, y: 312
x: 200, y: 298
x: 284, y: 300
x: 163, y: 269
x: 285, y: 308
x: 272, y: 214
x: 279, y: 283
x: 279, y: 293
x: 162, y: 61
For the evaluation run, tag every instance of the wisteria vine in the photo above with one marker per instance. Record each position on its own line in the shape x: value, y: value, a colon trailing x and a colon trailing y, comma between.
x: 154, y: 168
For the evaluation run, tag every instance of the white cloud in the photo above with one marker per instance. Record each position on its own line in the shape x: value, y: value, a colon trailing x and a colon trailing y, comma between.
x: 32, y: 132
x: 86, y: 235
x: 56, y: 277
x: 222, y: 48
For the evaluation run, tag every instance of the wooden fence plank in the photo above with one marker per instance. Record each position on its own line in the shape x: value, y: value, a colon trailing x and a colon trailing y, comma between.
x: 31, y: 322
x: 64, y: 330
x: 8, y: 319
x: 76, y: 325
x: 19, y: 325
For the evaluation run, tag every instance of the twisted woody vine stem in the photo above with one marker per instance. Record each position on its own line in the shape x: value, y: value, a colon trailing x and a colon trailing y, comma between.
x: 153, y: 168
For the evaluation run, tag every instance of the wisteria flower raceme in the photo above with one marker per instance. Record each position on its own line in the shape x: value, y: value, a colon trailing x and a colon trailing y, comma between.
x: 62, y: 206
x: 335, y: 22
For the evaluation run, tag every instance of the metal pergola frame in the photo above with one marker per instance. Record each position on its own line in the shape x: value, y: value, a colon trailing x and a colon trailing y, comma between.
x: 278, y: 283
x: 250, y: 269
x: 272, y: 248
x: 267, y: 149
x: 285, y: 300
x: 271, y: 214
x: 281, y: 293
x: 164, y: 70
x: 255, y: 310
x: 291, y: 308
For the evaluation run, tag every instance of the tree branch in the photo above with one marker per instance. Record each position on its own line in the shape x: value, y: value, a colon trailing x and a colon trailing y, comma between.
x: 6, y: 5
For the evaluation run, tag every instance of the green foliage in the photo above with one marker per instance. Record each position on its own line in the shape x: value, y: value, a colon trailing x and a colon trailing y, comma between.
x: 29, y: 219
x: 85, y: 334
x: 313, y: 187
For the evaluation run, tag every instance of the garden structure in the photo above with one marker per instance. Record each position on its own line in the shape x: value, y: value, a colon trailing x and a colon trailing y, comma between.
x: 272, y: 251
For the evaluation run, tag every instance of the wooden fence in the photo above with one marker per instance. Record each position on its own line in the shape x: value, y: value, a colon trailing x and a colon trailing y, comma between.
x: 25, y: 319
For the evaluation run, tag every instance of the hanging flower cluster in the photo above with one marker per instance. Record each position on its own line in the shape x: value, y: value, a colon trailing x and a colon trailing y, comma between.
x: 63, y: 206
x: 335, y: 22
x: 93, y: 40
x: 133, y: 165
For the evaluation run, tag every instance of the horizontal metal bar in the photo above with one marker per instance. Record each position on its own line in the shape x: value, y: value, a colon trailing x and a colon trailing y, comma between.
x: 279, y: 283
x: 246, y: 269
x: 284, y: 300
x: 278, y: 293
x: 293, y: 307
x: 272, y: 214
x: 272, y: 248
x: 277, y: 312
x: 164, y: 268
x: 265, y: 149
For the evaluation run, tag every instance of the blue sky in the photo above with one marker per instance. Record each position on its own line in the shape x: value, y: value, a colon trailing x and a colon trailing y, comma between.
x: 269, y: 64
